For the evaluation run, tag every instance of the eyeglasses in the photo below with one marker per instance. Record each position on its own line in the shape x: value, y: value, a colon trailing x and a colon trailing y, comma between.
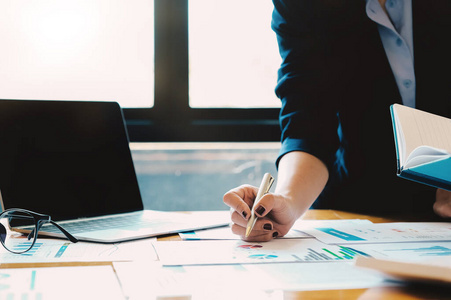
x: 15, y: 222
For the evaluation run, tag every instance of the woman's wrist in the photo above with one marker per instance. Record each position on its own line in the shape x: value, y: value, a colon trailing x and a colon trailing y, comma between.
x: 301, y: 178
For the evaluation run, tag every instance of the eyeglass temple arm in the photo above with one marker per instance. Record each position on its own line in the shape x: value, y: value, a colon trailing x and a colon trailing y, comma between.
x: 66, y: 233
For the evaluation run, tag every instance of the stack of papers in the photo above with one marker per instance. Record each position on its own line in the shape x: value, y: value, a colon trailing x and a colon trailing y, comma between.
x: 315, y: 255
x: 173, y: 253
x: 328, y: 241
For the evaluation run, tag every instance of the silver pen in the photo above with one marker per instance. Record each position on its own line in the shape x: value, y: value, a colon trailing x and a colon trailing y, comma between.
x: 267, y: 181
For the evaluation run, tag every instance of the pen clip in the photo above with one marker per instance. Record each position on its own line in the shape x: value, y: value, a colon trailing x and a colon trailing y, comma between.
x: 265, y: 185
x: 270, y: 182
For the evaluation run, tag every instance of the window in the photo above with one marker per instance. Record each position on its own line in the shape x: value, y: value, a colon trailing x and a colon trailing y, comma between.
x: 233, y: 55
x: 78, y: 50
x: 149, y: 55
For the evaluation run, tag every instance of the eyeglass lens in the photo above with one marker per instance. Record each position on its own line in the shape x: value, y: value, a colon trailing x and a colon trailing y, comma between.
x: 12, y: 224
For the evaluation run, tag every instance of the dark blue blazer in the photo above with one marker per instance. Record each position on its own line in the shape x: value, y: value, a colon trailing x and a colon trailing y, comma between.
x: 336, y: 87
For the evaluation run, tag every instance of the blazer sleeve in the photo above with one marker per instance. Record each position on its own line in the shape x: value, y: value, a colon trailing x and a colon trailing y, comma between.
x: 309, y: 77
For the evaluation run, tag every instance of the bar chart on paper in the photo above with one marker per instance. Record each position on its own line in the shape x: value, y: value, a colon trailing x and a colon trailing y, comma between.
x: 240, y: 252
x: 53, y: 250
x: 429, y: 251
x: 40, y: 250
x: 21, y: 246
x: 383, y: 233
x: 329, y: 254
x: 408, y: 251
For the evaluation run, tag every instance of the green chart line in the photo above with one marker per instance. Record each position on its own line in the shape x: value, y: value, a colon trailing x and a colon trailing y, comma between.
x: 330, y: 252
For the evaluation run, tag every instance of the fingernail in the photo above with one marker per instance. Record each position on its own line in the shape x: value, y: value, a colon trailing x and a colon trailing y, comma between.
x: 267, y: 226
x: 260, y: 210
x: 275, y: 234
x: 244, y: 214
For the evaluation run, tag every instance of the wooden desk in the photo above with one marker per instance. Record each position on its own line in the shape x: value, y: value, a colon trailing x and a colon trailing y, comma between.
x: 386, y: 293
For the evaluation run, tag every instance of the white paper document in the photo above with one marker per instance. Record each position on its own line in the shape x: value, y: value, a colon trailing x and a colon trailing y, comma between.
x: 319, y: 276
x: 225, y: 233
x: 241, y: 252
x: 421, y: 251
x: 56, y: 250
x: 382, y: 233
x: 303, y: 225
x: 88, y: 282
x: 223, y: 282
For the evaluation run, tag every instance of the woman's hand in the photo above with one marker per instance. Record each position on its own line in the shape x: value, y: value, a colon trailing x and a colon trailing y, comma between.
x: 442, y: 205
x: 274, y: 212
x: 300, y: 179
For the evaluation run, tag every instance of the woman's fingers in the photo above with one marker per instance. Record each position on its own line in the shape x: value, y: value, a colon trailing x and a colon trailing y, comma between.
x: 241, y: 199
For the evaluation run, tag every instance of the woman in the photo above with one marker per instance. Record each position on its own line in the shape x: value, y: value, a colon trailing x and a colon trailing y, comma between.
x: 344, y: 63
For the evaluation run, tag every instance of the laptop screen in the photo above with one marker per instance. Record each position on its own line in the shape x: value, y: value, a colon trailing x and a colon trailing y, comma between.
x: 67, y: 159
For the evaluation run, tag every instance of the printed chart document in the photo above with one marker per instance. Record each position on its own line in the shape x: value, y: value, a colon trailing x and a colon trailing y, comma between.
x: 263, y: 281
x: 425, y: 261
x: 382, y: 233
x: 423, y: 146
x: 421, y: 251
x: 60, y: 283
x: 225, y: 233
x: 61, y: 251
x: 173, y: 253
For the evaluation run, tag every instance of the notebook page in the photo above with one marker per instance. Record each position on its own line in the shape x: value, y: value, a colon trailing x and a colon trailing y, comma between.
x: 422, y: 128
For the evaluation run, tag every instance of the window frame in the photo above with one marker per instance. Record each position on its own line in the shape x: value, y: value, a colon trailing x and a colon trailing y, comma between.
x: 171, y: 119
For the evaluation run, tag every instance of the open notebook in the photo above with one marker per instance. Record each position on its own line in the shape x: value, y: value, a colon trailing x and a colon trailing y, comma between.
x: 423, y: 146
x: 72, y: 161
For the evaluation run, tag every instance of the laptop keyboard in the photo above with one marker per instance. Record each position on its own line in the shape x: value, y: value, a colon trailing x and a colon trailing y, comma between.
x: 101, y: 224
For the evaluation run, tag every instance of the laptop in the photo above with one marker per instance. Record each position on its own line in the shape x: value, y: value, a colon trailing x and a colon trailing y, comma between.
x: 72, y: 161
